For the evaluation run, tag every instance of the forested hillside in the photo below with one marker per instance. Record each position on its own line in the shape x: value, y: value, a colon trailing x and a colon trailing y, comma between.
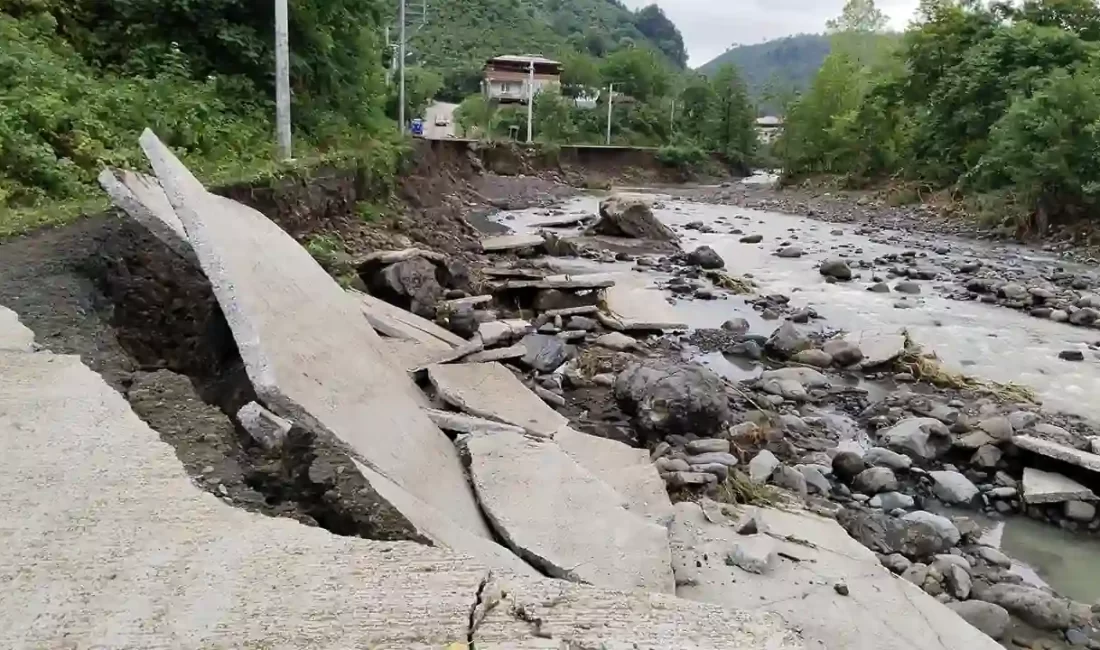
x: 1000, y: 104
x: 775, y: 67
x: 459, y: 35
x: 79, y: 79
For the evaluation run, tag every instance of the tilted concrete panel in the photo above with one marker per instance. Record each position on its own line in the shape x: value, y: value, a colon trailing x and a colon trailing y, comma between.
x: 142, y: 198
x: 561, y: 519
x: 14, y: 335
x: 310, y: 354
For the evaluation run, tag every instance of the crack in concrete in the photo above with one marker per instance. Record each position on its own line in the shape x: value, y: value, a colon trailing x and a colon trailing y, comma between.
x: 476, y: 616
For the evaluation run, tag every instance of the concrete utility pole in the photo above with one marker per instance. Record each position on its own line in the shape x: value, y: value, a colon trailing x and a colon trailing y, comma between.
x: 401, y: 58
x: 530, y: 96
x: 610, y: 96
x: 282, y: 80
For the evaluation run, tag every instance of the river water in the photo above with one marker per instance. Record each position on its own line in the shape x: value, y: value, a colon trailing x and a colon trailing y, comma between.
x: 984, y: 341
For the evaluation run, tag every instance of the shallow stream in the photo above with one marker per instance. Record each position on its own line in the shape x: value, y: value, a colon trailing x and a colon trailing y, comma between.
x: 981, y: 340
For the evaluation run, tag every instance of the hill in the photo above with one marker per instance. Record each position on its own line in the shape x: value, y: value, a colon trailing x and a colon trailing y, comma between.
x: 459, y: 35
x: 781, y: 65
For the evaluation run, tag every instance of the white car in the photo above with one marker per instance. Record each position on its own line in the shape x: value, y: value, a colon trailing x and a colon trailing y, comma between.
x: 441, y: 121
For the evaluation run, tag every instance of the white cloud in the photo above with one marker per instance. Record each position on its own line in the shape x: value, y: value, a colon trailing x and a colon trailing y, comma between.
x: 712, y: 26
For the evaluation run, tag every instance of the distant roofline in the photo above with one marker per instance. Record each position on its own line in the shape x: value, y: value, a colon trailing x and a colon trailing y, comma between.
x: 523, y: 58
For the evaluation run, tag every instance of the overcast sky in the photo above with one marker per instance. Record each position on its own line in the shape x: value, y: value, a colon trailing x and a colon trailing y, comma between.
x: 711, y: 26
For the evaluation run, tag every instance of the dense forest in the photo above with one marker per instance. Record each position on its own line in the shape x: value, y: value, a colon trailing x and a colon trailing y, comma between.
x: 79, y: 79
x: 999, y: 104
x: 777, y: 68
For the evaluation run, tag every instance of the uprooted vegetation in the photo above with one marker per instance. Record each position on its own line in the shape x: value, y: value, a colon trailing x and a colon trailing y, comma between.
x: 926, y: 366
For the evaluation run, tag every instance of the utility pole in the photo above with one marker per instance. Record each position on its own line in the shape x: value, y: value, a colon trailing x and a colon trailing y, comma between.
x: 610, y: 97
x: 530, y: 96
x: 401, y: 59
x: 282, y: 80
x: 672, y: 121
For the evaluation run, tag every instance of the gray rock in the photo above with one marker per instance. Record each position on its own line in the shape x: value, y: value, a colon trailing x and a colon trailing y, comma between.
x: 1035, y: 606
x: 876, y: 479
x: 1085, y: 316
x: 667, y: 464
x: 917, y: 572
x: 791, y: 479
x: 631, y: 218
x: 463, y: 321
x: 762, y: 465
x: 1071, y: 355
x: 1013, y: 291
x: 617, y: 341
x: 883, y: 533
x: 896, y: 563
x: 786, y: 341
x: 843, y: 353
x: 720, y: 471
x: 266, y: 428
x: 705, y: 257
x: 847, y: 465
x: 1059, y: 315
x: 953, y: 487
x: 986, y: 457
x: 754, y: 553
x: 883, y: 457
x: 918, y: 438
x: 729, y: 460
x: 1077, y: 637
x: 816, y: 358
x: 545, y: 353
x: 707, y: 445
x: 1079, y: 510
x: 789, y: 252
x: 999, y: 428
x: 947, y: 533
x: 752, y: 239
x: 890, y: 501
x: 992, y: 620
x: 815, y: 479
x: 907, y: 287
x: 736, y: 325
x: 958, y: 581
x: 581, y: 323
x: 666, y: 398
x: 880, y: 349
x: 836, y: 269
x: 994, y: 557
x: 410, y: 284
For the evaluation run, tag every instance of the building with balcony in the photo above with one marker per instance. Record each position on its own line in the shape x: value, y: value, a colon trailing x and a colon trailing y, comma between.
x: 505, y: 78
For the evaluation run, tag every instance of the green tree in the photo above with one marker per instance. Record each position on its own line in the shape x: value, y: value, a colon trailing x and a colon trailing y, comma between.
x: 580, y: 75
x: 474, y: 116
x: 731, y: 117
x: 637, y: 72
x: 654, y: 25
x: 553, y: 118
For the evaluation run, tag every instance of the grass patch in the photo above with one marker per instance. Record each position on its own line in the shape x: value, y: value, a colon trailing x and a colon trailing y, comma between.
x: 927, y: 367
x: 19, y: 221
x: 739, y: 489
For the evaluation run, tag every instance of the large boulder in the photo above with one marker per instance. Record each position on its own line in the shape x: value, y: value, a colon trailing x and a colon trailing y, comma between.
x: 1034, y: 606
x: 913, y: 538
x: 786, y: 341
x: 921, y: 439
x: 991, y: 619
x: 705, y: 257
x: 410, y: 284
x: 632, y: 218
x: 836, y: 268
x: 670, y: 398
x: 953, y: 487
x: 876, y: 479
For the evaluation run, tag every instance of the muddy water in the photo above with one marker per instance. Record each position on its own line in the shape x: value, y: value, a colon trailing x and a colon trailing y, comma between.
x: 981, y: 340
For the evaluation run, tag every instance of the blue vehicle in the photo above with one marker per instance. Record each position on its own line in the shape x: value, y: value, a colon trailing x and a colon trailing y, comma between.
x: 417, y: 127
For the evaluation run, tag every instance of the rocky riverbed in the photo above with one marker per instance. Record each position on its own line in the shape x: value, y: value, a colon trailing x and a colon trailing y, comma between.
x: 834, y: 390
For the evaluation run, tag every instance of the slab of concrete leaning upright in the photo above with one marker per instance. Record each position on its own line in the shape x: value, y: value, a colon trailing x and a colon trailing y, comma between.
x: 13, y: 334
x: 142, y: 198
x: 309, y: 352
x: 108, y: 544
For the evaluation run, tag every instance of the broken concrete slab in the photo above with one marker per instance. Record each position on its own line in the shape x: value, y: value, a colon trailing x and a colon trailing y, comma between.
x: 878, y: 349
x: 560, y: 518
x: 393, y: 321
x: 491, y: 391
x: 462, y: 423
x: 468, y: 301
x: 105, y: 507
x: 13, y: 334
x: 814, y: 555
x: 142, y: 198
x: 497, y: 331
x: 497, y: 354
x: 1082, y: 459
x: 412, y: 356
x: 1048, y: 487
x: 560, y: 282
x: 634, y: 306
x: 563, y: 221
x: 266, y: 428
x: 626, y: 469
x: 551, y: 615
x: 310, y: 354
x: 385, y: 258
x: 510, y: 242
